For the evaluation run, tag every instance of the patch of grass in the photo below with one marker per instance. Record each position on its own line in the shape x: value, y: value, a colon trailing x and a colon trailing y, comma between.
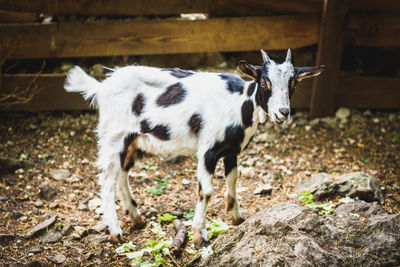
x: 166, y: 218
x: 158, y: 189
x: 308, y: 198
x: 363, y: 159
x: 149, y: 165
x: 189, y: 214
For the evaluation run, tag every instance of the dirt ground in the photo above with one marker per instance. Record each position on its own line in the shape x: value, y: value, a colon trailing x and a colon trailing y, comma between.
x: 368, y: 141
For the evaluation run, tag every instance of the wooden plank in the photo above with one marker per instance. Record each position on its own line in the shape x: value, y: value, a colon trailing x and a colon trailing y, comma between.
x: 107, y: 8
x: 234, y: 8
x: 17, y: 17
x: 373, y: 30
x: 112, y: 38
x: 368, y: 92
x: 52, y: 95
x: 329, y: 53
x: 375, y: 6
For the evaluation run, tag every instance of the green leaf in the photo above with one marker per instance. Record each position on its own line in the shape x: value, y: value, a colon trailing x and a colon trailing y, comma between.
x: 166, y: 218
x: 216, y: 227
x: 158, y: 189
x: 189, y: 214
x: 364, y: 160
x: 307, y: 197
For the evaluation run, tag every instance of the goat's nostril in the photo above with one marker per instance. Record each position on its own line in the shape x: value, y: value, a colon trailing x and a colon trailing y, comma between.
x: 285, y: 111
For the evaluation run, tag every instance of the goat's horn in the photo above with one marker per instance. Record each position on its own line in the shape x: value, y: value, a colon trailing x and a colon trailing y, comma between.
x: 264, y: 56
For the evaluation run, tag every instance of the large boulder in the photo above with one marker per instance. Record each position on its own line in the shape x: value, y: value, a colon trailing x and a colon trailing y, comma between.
x: 292, y: 235
x: 355, y: 185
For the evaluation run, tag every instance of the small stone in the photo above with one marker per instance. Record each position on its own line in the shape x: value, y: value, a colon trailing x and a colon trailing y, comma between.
x: 80, y: 230
x: 342, y: 114
x: 263, y: 189
x: 375, y: 120
x: 266, y: 137
x: 98, y: 228
x: 82, y: 206
x: 35, y: 249
x: 186, y: 182
x: 60, y: 174
x: 66, y: 229
x: 75, y: 236
x: 54, y: 204
x: 247, y: 172
x: 38, y: 203
x: 58, y: 258
x: 268, y: 178
x: 151, y: 212
x: 41, y: 227
x: 308, y: 128
x: 94, y: 203
x: 51, y: 237
x: 98, y: 239
x: 73, y: 179
x: 47, y: 191
x: 392, y: 117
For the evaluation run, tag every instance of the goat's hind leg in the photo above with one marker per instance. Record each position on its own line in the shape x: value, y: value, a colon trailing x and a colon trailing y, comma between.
x: 108, y: 207
x: 128, y: 203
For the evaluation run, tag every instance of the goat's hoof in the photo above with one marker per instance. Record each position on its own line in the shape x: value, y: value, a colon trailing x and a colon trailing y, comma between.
x: 138, y: 223
x: 238, y: 220
x: 115, y: 238
x: 198, y: 240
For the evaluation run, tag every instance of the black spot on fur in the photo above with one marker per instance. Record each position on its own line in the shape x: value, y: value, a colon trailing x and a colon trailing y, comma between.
x: 133, y: 202
x: 127, y: 163
x: 138, y: 104
x: 230, y: 146
x: 145, y: 127
x: 200, y: 192
x: 247, y: 113
x: 230, y: 203
x: 178, y: 73
x: 195, y: 124
x: 233, y: 83
x: 250, y: 90
x: 230, y: 163
x: 262, y: 96
x: 161, y: 132
x: 173, y: 95
x: 126, y: 212
x: 247, y: 145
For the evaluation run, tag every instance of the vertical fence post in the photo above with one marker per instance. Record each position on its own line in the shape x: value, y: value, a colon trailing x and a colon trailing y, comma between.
x: 329, y: 53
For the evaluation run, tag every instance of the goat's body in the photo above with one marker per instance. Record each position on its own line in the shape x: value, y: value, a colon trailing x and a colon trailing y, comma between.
x: 168, y: 112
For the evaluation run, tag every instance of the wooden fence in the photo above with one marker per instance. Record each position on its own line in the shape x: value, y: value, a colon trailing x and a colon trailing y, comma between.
x: 233, y: 25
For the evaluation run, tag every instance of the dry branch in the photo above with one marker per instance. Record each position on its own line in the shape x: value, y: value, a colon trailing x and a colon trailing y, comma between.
x: 179, y: 239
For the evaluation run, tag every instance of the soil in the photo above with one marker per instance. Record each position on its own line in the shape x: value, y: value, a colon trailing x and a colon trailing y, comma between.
x: 368, y: 141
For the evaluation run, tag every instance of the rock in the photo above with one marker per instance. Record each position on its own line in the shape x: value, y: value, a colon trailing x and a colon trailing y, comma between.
x: 47, y: 191
x: 268, y: 178
x: 51, y: 237
x: 66, y: 230
x: 247, y: 172
x: 361, y: 208
x: 151, y: 212
x: 186, y: 182
x: 362, y: 186
x: 6, y: 238
x: 80, y: 230
x: 41, y: 227
x: 355, y: 185
x: 98, y: 239
x: 342, y: 114
x: 75, y: 236
x: 54, y: 204
x: 73, y: 179
x: 263, y: 189
x: 60, y: 174
x: 35, y: 249
x: 290, y: 235
x: 94, y: 203
x: 98, y: 228
x: 58, y: 258
x: 82, y: 206
x: 38, y: 203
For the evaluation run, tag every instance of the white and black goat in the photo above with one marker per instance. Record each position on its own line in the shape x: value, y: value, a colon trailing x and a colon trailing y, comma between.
x: 178, y: 112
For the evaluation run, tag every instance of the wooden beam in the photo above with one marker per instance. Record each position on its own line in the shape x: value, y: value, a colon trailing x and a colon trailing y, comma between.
x: 329, y: 53
x: 368, y: 92
x: 17, y: 17
x: 111, y: 38
x: 375, y: 6
x: 107, y: 8
x: 51, y: 96
x: 373, y: 30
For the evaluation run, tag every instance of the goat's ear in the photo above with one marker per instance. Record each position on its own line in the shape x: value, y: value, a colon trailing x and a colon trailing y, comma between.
x: 308, y: 72
x: 249, y: 70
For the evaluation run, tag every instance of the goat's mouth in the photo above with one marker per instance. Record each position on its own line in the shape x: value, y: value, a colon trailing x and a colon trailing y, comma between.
x: 278, y: 120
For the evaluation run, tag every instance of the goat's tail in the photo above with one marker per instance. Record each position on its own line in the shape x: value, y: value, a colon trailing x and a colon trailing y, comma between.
x: 79, y: 81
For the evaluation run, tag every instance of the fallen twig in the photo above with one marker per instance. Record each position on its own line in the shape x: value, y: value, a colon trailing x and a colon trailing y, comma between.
x: 179, y: 239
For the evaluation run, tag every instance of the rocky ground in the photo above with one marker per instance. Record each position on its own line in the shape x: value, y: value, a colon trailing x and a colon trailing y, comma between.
x: 49, y: 206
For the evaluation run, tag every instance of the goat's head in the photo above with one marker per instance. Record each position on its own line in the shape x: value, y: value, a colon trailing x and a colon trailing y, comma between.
x: 276, y: 83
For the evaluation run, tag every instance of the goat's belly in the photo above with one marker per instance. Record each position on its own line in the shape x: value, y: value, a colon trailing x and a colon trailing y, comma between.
x: 172, y: 147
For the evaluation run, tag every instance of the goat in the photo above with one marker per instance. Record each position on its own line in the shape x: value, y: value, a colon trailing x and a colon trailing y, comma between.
x: 178, y: 112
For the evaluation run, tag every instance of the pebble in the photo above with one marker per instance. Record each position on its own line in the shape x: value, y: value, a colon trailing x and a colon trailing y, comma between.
x: 375, y: 120
x: 58, y: 258
x: 186, y: 182
x: 263, y: 189
x: 247, y: 172
x: 35, y: 249
x: 60, y: 174
x: 35, y: 231
x: 342, y: 113
x: 94, y: 203
x: 38, y: 203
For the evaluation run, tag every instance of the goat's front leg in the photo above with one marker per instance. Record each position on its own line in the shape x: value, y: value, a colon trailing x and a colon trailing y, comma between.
x: 205, y: 191
x: 231, y: 173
